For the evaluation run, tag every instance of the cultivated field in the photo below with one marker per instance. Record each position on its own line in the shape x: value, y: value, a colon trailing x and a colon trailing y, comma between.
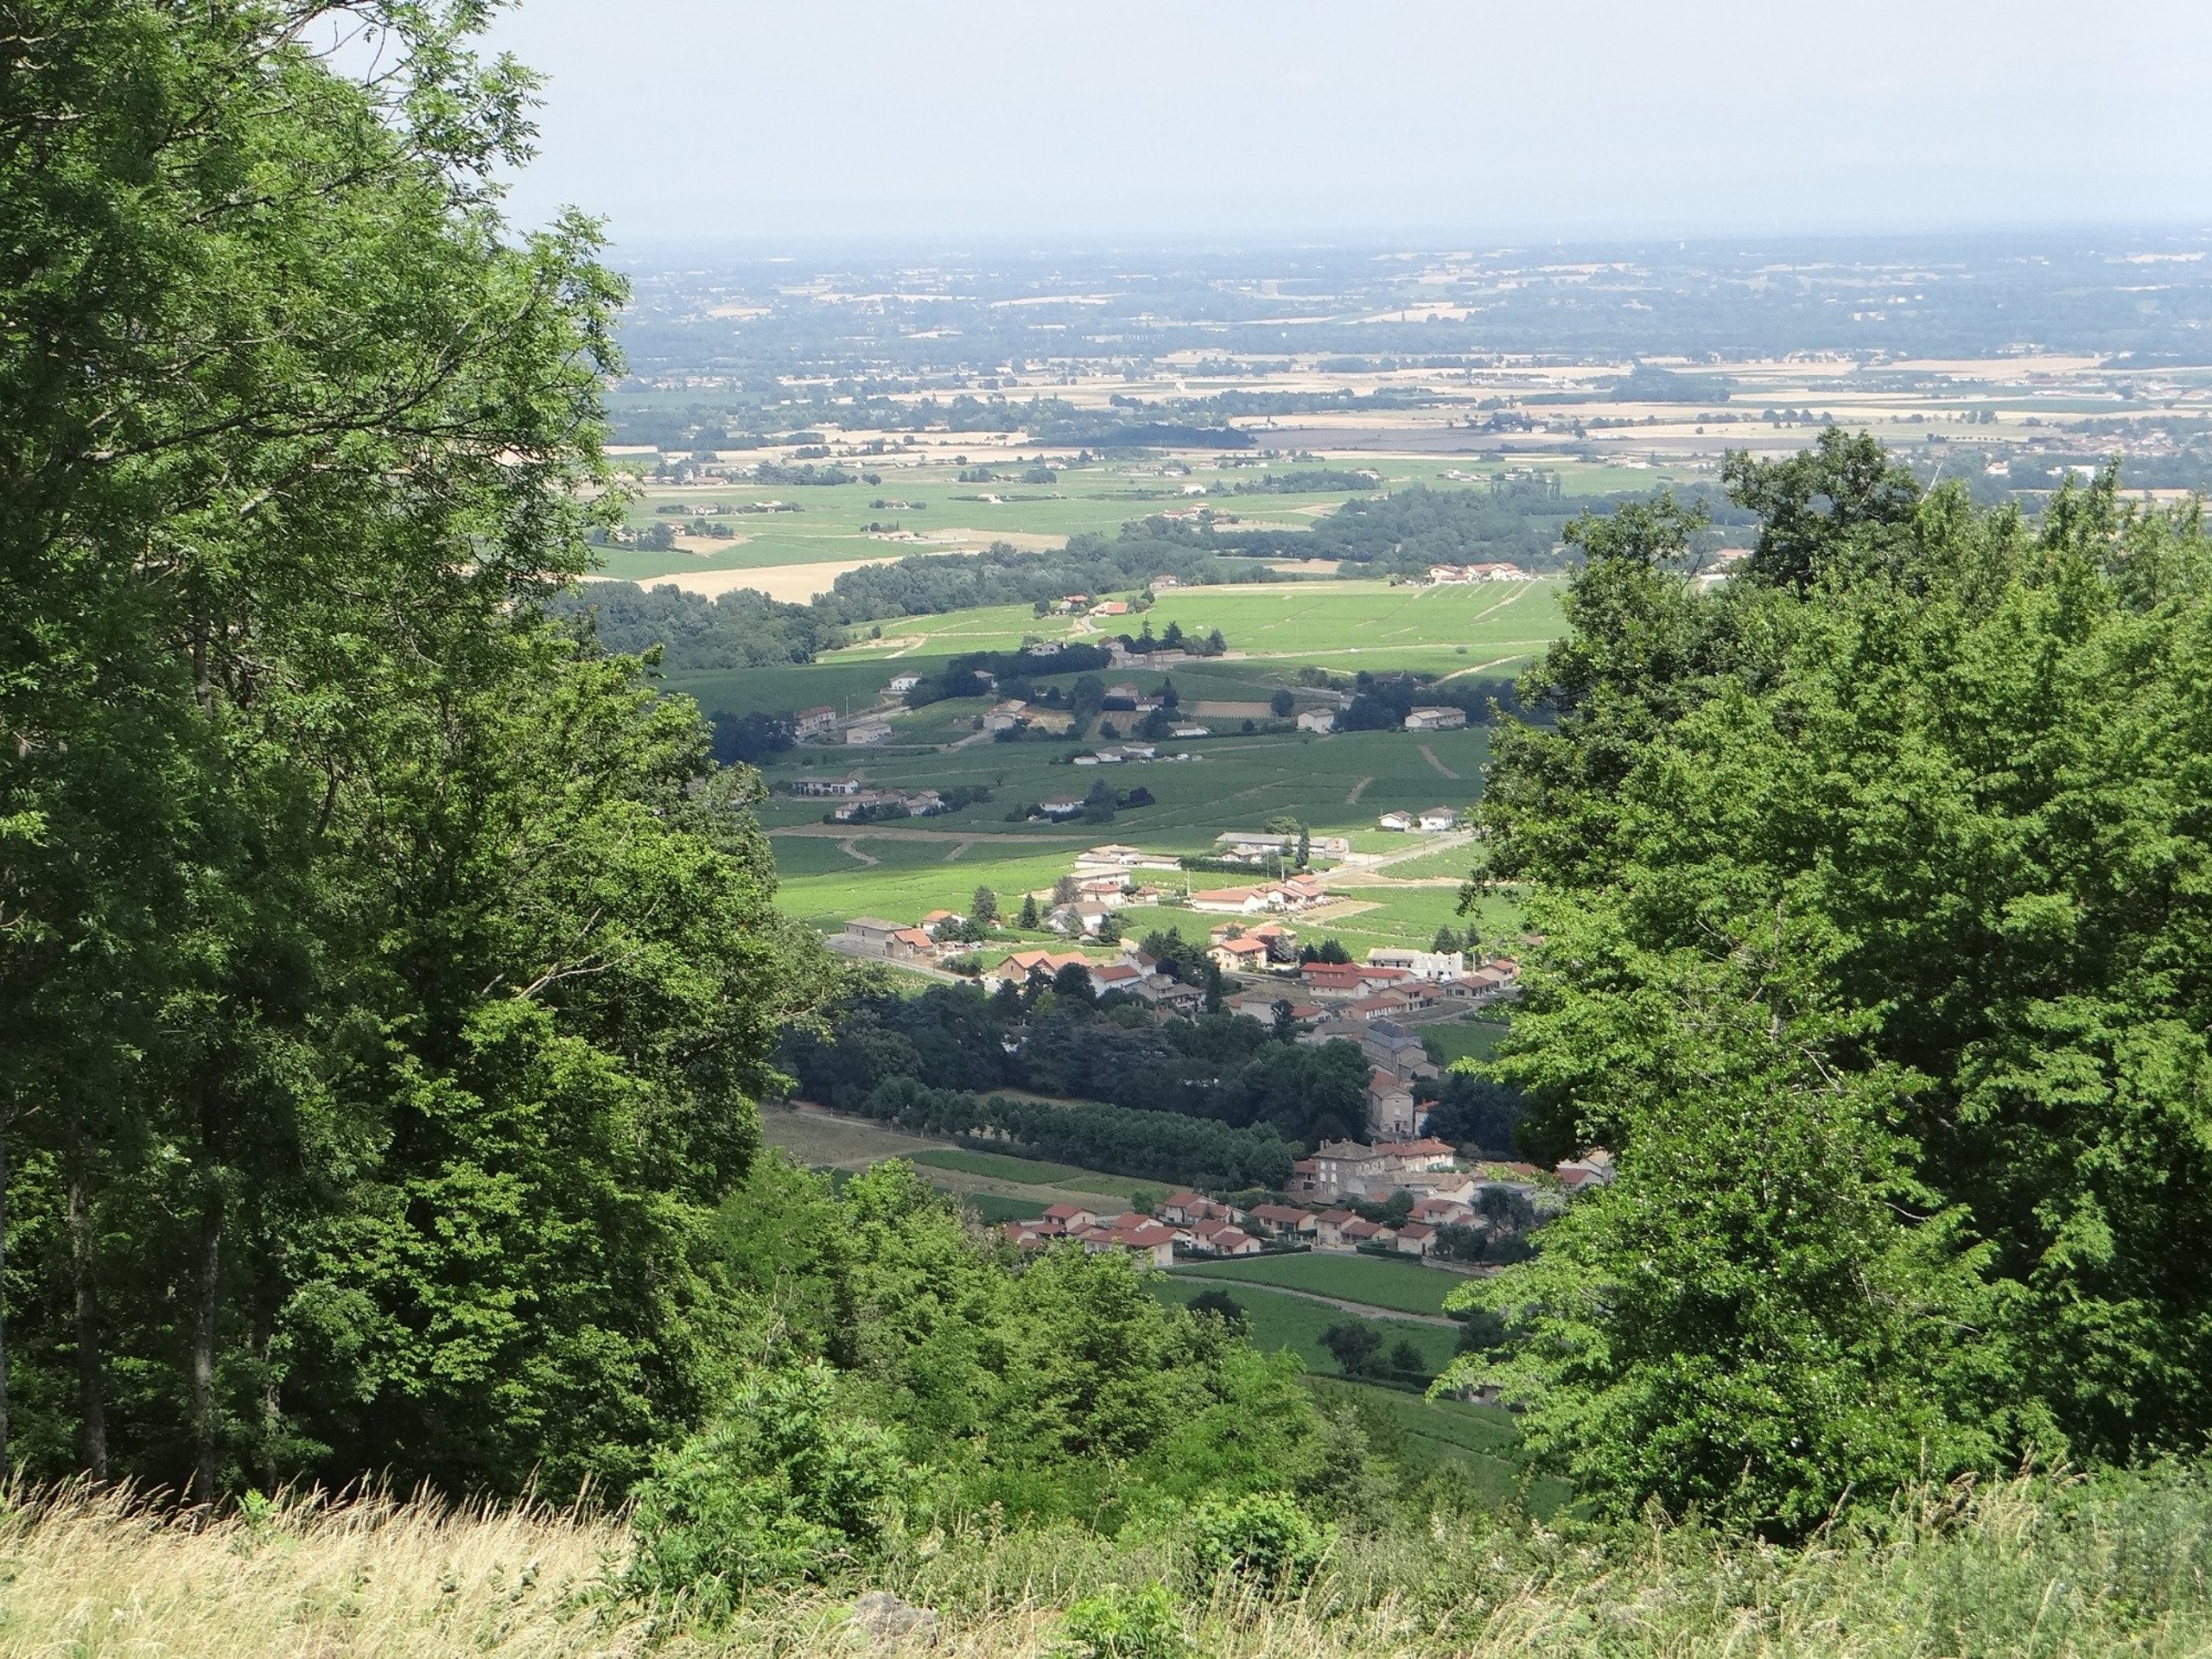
x: 1404, y: 1288
x: 1276, y: 1320
x: 825, y: 1140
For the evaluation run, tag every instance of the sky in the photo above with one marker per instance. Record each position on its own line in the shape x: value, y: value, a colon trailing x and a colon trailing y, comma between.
x: 958, y: 122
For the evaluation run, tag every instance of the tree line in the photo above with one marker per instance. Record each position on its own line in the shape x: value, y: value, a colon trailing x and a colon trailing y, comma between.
x: 1152, y: 1145
x: 1056, y: 1039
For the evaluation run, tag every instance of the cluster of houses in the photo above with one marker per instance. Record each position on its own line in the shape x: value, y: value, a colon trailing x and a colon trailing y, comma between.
x: 1260, y: 847
x: 1364, y: 1003
x: 862, y: 805
x: 1132, y: 752
x: 856, y: 802
x: 1433, y: 821
x: 1294, y: 893
x: 1441, y: 575
x: 1442, y: 1193
x: 1132, y: 972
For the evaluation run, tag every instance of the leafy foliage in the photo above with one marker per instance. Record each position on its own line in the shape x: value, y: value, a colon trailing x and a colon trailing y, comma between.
x: 780, y: 1490
x: 1262, y: 1536
x: 1119, y: 1624
x: 386, y: 980
x: 1872, y: 890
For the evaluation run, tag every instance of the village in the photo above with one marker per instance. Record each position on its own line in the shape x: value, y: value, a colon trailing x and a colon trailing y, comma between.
x: 1422, y: 1189
x: 1414, y: 1188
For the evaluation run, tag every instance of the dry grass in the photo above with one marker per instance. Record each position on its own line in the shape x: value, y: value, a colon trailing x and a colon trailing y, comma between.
x: 2019, y: 1570
x: 91, y: 1575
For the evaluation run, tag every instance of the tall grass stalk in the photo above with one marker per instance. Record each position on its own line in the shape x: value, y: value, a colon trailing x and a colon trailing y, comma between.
x: 2034, y: 1568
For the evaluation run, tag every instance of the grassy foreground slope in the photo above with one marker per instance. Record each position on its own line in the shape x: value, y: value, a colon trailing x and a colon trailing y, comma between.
x: 2116, y: 1568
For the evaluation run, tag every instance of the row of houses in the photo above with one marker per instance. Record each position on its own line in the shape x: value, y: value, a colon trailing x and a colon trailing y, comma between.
x: 1263, y: 847
x: 1450, y: 575
x: 1442, y: 1193
x: 1434, y: 820
x: 1132, y: 973
x: 863, y: 803
x: 1124, y: 754
x: 1115, y: 856
x: 1189, y: 1222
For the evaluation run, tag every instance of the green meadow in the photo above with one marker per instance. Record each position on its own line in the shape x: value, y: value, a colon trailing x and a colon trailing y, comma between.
x: 1279, y: 1321
x: 1404, y: 1288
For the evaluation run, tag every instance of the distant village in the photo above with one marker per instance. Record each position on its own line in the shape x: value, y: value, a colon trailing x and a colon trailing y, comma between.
x: 1444, y: 1193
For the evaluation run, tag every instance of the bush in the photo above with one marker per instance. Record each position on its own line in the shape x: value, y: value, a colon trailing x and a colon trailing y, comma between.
x: 782, y: 1490
x: 1262, y: 1536
x: 1121, y: 1624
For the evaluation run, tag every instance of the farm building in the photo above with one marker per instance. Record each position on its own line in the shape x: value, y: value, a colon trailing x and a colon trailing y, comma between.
x: 1436, y: 720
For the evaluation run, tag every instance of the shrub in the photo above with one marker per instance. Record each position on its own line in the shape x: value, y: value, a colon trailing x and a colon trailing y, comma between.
x: 781, y: 1489
x: 1262, y: 1536
x: 1121, y: 1624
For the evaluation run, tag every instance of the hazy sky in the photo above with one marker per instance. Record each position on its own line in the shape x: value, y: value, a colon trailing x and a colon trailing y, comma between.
x: 952, y: 122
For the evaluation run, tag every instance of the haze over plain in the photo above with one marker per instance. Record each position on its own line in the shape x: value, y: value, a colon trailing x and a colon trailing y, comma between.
x: 973, y: 121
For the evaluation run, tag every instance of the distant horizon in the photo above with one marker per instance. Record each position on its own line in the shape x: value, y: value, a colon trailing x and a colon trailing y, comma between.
x: 768, y: 248
x: 982, y: 121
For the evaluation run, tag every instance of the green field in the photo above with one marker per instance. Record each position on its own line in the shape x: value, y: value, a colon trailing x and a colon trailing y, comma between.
x: 1479, y: 1440
x: 1462, y: 1039
x: 1452, y: 863
x: 831, y: 520
x: 1492, y: 628
x: 1238, y: 781
x: 1278, y: 1321
x: 994, y: 1207
x: 1028, y: 1172
x: 1272, y: 630
x: 908, y: 891
x: 1404, y: 1288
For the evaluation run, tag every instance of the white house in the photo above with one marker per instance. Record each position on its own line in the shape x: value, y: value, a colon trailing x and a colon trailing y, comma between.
x: 1437, y: 965
x: 1396, y: 821
x: 820, y: 718
x: 1436, y: 720
x: 1318, y: 720
x: 1390, y: 1105
x: 1234, y: 901
x: 903, y: 684
x: 1438, y: 819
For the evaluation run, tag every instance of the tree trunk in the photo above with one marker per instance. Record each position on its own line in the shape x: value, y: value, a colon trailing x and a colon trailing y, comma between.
x: 206, y: 1450
x: 92, y: 1391
x: 272, y: 1414
x: 3, y: 1299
